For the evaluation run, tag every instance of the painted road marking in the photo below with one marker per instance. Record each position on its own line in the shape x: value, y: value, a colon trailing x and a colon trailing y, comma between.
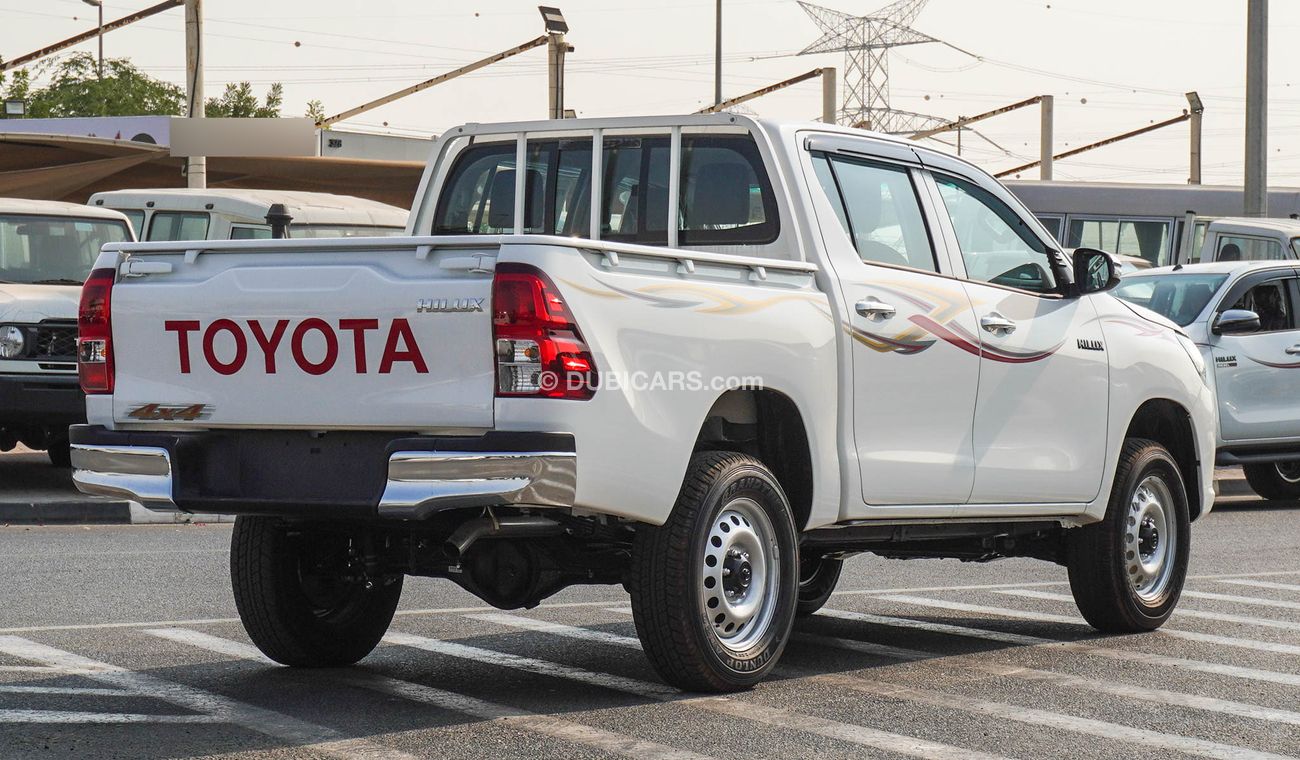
x: 1208, y: 638
x: 745, y: 710
x: 1020, y: 639
x: 209, y: 706
x: 1074, y: 724
x: 523, y: 720
x: 1065, y: 680
x: 1262, y: 584
x: 1280, y: 604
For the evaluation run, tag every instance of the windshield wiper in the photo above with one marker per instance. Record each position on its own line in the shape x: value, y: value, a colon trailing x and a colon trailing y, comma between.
x: 58, y: 281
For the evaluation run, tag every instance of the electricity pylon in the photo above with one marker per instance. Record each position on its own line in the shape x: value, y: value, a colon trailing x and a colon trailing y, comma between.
x: 866, y: 42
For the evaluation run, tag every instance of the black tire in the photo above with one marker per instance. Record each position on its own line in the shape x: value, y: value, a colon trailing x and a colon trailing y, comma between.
x: 59, y: 450
x: 671, y: 575
x: 295, y: 600
x: 1276, y: 481
x: 1104, y: 559
x: 817, y: 579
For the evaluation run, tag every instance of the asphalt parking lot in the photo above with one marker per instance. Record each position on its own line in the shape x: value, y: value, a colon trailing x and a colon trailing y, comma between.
x: 121, y: 641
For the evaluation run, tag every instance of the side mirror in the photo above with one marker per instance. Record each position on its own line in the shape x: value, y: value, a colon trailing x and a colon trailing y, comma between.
x: 1094, y: 271
x: 1235, y: 322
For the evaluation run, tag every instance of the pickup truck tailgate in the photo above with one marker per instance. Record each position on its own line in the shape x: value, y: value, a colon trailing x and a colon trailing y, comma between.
x: 377, y: 335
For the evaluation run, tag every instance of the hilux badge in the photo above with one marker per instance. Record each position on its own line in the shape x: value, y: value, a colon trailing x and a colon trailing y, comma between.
x: 444, y: 305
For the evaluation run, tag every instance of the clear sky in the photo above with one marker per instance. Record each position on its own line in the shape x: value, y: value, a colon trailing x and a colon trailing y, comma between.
x: 1113, y: 65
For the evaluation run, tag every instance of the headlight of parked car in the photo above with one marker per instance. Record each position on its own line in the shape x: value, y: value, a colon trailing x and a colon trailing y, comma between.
x: 12, y: 342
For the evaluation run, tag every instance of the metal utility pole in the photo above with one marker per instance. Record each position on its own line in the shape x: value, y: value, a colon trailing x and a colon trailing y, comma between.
x: 100, y: 5
x: 717, y: 56
x: 1185, y: 116
x: 1256, y: 181
x: 828, y: 93
x: 196, y: 167
x: 126, y: 20
x: 1194, y: 162
x: 556, y: 48
x: 1046, y: 135
x: 830, y: 98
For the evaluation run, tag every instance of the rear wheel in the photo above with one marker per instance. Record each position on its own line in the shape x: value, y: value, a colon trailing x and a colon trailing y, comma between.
x: 714, y: 588
x: 1279, y: 481
x: 817, y: 579
x: 304, y: 595
x: 1127, y: 571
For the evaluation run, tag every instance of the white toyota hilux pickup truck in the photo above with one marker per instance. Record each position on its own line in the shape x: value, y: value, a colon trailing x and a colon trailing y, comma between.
x: 704, y: 357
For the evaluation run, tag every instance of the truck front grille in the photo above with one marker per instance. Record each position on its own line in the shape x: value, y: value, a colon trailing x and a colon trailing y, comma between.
x: 54, y: 342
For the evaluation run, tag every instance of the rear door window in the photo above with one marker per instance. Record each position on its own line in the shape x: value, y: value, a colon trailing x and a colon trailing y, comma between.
x: 878, y: 206
x: 178, y: 225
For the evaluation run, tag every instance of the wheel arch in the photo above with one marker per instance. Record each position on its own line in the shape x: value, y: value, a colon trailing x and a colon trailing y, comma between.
x: 768, y: 425
x: 1170, y: 424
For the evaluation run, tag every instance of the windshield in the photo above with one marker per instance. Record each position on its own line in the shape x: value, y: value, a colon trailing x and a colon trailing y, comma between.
x: 1179, y: 297
x: 342, y: 230
x: 55, y: 250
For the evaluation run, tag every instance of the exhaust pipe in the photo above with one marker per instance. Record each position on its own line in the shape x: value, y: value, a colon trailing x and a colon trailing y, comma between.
x: 510, y: 526
x: 279, y: 218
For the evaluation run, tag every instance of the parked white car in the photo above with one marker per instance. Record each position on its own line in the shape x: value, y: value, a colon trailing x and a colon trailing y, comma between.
x: 1242, y: 315
x: 170, y: 214
x: 46, y: 251
x: 704, y: 357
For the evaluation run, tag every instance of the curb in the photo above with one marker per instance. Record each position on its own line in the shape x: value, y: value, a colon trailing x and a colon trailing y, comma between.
x: 66, y: 513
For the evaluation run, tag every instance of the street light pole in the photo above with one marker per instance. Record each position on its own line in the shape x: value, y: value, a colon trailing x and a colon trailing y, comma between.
x: 717, y: 56
x: 1256, y: 179
x: 100, y: 5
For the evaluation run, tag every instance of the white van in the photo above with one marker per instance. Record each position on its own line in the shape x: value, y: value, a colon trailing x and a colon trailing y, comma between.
x: 46, y: 252
x: 225, y: 214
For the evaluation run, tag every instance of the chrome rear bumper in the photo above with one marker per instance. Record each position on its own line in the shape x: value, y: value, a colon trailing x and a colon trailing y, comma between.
x: 416, y: 483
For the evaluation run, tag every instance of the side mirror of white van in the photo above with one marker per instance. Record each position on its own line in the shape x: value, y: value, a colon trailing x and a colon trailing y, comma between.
x: 1094, y: 271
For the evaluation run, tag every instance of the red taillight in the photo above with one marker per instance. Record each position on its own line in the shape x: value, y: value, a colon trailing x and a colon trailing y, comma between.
x: 95, y: 332
x: 539, y: 350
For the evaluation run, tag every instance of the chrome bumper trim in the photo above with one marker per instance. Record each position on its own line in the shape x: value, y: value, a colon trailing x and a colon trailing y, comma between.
x: 420, y: 482
x: 138, y: 473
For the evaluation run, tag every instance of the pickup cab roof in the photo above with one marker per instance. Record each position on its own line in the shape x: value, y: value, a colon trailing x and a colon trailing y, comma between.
x: 57, y: 208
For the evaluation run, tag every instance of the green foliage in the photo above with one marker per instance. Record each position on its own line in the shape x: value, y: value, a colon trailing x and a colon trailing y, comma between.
x: 315, y: 111
x: 74, y: 89
x: 239, y: 101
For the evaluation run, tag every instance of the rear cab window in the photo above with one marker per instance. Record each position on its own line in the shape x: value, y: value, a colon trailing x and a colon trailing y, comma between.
x: 170, y: 226
x: 725, y: 196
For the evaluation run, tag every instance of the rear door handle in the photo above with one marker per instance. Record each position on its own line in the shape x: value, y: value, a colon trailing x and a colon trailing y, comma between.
x: 997, y: 324
x: 1294, y: 349
x: 873, y: 308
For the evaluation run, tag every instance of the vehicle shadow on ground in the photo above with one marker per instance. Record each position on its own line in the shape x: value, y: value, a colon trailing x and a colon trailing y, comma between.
x: 1255, y: 504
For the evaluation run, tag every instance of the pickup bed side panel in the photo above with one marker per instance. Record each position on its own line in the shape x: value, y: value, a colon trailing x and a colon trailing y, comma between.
x: 668, y: 342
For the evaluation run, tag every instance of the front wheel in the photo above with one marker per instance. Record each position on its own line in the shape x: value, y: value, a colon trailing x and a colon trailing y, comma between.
x: 1127, y: 571
x: 304, y: 595
x: 714, y: 588
x: 1277, y: 481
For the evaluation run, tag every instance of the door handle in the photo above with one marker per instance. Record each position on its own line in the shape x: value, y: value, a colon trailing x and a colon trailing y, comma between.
x: 873, y: 308
x: 997, y: 324
x: 1294, y: 349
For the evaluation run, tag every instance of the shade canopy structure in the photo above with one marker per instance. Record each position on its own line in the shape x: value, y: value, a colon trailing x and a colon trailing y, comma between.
x: 67, y: 168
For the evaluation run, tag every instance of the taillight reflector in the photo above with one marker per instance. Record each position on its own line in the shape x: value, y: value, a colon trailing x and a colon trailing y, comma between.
x: 539, y: 349
x: 95, y: 332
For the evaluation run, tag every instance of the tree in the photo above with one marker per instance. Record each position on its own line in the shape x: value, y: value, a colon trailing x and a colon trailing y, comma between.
x: 73, y: 89
x: 238, y: 100
x: 315, y: 111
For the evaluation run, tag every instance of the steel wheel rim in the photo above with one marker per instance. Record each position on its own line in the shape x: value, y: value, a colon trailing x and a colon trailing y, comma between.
x: 1150, y: 543
x: 1288, y: 471
x: 741, y: 575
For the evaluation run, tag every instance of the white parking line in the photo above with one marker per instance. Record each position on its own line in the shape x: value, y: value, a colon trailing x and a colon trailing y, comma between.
x: 1033, y: 716
x: 1262, y: 584
x: 1074, y: 724
x: 1206, y: 638
x: 523, y: 720
x: 1256, y: 601
x: 746, y: 710
x: 74, y: 716
x: 1065, y: 680
x: 209, y: 706
x: 69, y: 691
x: 1125, y: 655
